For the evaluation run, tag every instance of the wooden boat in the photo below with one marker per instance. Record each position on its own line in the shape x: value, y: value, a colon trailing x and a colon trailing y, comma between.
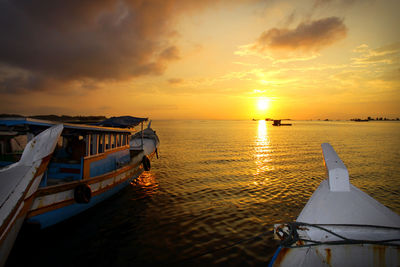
x: 278, y: 123
x: 90, y: 163
x: 18, y: 183
x: 339, y: 226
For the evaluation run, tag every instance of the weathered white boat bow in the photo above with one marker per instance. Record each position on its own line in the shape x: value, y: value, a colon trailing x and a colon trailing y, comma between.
x: 339, y: 226
x: 336, y: 201
x: 19, y: 181
x: 146, y: 141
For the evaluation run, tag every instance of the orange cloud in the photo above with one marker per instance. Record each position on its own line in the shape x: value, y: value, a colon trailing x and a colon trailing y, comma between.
x: 389, y: 54
x: 307, y: 36
x: 301, y: 43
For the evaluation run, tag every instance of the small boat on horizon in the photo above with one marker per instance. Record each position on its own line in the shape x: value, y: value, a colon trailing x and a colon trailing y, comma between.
x: 90, y: 163
x: 278, y: 123
x: 339, y: 226
x: 19, y: 182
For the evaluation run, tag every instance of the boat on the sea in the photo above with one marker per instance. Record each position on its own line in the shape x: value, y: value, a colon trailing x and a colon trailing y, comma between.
x: 90, y: 163
x: 19, y: 182
x: 339, y: 226
x: 279, y: 123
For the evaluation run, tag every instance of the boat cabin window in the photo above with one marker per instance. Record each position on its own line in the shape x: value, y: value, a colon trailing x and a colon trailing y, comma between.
x: 87, y: 139
x: 107, y: 141
x: 124, y: 139
x: 101, y: 143
x: 97, y: 143
x: 11, y: 147
x: 112, y: 140
x: 69, y: 148
x: 92, y: 144
x: 76, y: 147
x: 118, y: 140
x: 13, y: 144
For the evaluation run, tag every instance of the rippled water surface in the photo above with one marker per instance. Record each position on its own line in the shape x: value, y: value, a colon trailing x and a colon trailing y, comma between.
x: 216, y: 184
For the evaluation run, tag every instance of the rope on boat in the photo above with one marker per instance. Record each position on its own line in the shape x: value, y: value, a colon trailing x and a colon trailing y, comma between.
x: 271, y: 262
x: 293, y: 237
x: 288, y: 239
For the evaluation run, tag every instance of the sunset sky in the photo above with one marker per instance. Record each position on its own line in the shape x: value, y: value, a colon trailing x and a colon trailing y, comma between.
x: 166, y: 59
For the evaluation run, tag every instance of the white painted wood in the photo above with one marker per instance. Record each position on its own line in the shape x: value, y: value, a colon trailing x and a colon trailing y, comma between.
x: 351, y: 207
x: 148, y: 143
x: 345, y: 207
x: 338, y: 176
x: 18, y: 182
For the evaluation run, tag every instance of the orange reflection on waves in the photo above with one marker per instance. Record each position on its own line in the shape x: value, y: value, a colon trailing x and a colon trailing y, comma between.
x: 146, y: 184
x: 262, y: 150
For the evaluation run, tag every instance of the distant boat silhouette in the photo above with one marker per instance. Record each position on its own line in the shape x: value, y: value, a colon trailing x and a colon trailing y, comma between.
x: 278, y: 123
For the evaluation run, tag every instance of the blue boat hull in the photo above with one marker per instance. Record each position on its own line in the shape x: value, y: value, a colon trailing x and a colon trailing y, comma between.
x: 58, y: 215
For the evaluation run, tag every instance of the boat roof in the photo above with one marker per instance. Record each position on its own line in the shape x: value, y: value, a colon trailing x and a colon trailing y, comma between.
x: 43, y: 123
x: 122, y: 122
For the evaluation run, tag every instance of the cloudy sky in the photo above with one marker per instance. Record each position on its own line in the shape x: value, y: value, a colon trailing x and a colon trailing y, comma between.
x: 166, y: 59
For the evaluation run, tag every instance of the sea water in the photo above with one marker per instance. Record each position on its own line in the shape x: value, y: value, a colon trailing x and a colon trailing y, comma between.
x: 216, y: 186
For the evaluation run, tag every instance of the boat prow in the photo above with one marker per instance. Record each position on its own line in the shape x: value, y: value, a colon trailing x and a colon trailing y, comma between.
x: 19, y: 181
x: 339, y: 226
x: 146, y: 140
x: 336, y: 201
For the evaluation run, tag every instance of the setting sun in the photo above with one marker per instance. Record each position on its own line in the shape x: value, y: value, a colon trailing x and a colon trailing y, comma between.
x: 263, y: 103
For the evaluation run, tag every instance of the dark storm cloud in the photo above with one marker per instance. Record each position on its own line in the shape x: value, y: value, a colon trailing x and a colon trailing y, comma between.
x: 308, y: 36
x: 48, y: 41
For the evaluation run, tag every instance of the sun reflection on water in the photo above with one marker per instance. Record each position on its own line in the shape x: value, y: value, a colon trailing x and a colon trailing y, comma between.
x: 146, y: 184
x: 262, y: 152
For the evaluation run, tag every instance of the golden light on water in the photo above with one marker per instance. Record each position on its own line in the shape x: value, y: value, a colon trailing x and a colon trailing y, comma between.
x: 262, y: 131
x: 262, y: 151
x: 147, y: 185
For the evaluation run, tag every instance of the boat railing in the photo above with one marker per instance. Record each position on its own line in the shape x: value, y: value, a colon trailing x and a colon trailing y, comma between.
x: 338, y: 175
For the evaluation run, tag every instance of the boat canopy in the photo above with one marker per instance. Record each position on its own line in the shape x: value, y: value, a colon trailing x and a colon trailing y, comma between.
x: 122, y: 122
x: 38, y: 125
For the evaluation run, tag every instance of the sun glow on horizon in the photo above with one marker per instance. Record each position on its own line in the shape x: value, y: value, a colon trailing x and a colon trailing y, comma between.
x: 218, y: 60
